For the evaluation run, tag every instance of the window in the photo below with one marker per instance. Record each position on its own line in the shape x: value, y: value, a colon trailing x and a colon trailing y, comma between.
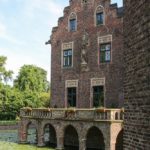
x: 71, y: 97
x: 98, y: 96
x: 67, y: 58
x: 99, y: 18
x: 73, y: 25
x: 105, y: 53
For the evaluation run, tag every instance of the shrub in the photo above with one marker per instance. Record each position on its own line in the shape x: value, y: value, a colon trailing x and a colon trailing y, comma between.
x: 7, y: 116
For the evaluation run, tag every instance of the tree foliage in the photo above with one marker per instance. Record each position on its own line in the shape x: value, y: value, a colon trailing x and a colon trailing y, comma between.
x: 30, y: 89
x: 31, y: 78
x: 5, y: 75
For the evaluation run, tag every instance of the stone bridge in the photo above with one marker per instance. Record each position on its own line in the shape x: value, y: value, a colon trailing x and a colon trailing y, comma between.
x: 74, y: 129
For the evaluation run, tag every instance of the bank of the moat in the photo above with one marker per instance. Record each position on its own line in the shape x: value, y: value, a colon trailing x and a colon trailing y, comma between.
x: 9, y: 141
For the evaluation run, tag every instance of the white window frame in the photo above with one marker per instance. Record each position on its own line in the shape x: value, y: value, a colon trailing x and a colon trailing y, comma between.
x: 102, y: 40
x: 66, y: 46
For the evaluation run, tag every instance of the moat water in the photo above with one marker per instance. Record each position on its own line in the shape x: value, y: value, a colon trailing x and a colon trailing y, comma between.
x: 9, y: 141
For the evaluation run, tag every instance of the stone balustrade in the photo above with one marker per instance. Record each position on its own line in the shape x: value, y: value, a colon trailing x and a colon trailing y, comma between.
x: 95, y: 114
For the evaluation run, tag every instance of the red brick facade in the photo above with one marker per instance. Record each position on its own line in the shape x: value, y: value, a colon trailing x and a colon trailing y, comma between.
x: 109, y: 75
x: 137, y: 75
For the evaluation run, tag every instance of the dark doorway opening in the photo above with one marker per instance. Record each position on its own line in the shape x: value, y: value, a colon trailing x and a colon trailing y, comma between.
x: 98, y: 96
x: 71, y: 96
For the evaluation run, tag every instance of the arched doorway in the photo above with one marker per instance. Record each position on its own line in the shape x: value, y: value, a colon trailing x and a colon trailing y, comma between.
x: 119, y: 141
x: 31, y: 133
x: 95, y: 139
x: 71, y: 140
x: 50, y: 136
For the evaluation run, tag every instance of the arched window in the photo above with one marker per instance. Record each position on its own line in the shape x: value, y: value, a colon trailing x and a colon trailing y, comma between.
x: 72, y: 22
x: 99, y: 16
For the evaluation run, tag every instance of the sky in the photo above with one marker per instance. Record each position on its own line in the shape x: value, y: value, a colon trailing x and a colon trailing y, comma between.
x: 25, y: 26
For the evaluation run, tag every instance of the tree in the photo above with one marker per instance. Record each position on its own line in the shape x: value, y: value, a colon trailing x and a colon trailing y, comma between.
x: 32, y: 83
x: 5, y: 75
x: 31, y: 89
x: 31, y: 78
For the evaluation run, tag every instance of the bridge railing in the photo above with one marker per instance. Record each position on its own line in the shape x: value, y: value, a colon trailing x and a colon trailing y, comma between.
x: 97, y: 114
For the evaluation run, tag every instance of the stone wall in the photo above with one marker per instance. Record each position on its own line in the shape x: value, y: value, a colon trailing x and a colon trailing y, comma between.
x: 74, y: 133
x: 9, y: 127
x: 112, y: 72
x: 137, y: 75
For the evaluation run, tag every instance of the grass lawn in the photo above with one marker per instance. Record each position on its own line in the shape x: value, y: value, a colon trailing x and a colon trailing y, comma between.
x: 14, y: 146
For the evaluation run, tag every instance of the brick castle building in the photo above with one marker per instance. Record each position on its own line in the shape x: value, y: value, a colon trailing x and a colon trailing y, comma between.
x: 87, y: 72
x: 86, y: 81
x: 87, y: 56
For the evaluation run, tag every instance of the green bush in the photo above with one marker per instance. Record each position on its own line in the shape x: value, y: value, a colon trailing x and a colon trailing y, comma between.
x: 7, y: 116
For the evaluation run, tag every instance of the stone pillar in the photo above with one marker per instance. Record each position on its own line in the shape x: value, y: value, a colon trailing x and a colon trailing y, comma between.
x: 40, y: 137
x: 82, y: 145
x: 113, y: 146
x: 60, y: 143
x: 22, y: 134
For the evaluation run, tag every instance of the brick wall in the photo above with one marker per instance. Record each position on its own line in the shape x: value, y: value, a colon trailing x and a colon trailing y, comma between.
x: 137, y: 75
x: 112, y: 72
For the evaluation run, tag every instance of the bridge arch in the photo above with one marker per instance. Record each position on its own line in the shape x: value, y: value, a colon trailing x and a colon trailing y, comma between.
x: 49, y: 133
x: 94, y: 139
x: 31, y: 132
x: 71, y: 138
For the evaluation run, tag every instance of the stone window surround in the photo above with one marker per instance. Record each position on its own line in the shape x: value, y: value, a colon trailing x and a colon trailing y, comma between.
x: 97, y: 82
x: 70, y: 84
x: 103, y: 40
x: 98, y: 11
x: 66, y: 46
x: 72, y: 15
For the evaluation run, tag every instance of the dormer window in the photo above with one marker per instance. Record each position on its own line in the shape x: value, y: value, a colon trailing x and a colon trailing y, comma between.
x: 99, y: 16
x: 72, y: 22
x: 73, y: 25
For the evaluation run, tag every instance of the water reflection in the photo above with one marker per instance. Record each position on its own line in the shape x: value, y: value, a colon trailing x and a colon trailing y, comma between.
x: 9, y: 139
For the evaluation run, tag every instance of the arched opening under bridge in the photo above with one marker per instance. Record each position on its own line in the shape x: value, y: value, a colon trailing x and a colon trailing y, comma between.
x: 95, y: 139
x: 31, y: 131
x: 71, y: 140
x: 50, y: 139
